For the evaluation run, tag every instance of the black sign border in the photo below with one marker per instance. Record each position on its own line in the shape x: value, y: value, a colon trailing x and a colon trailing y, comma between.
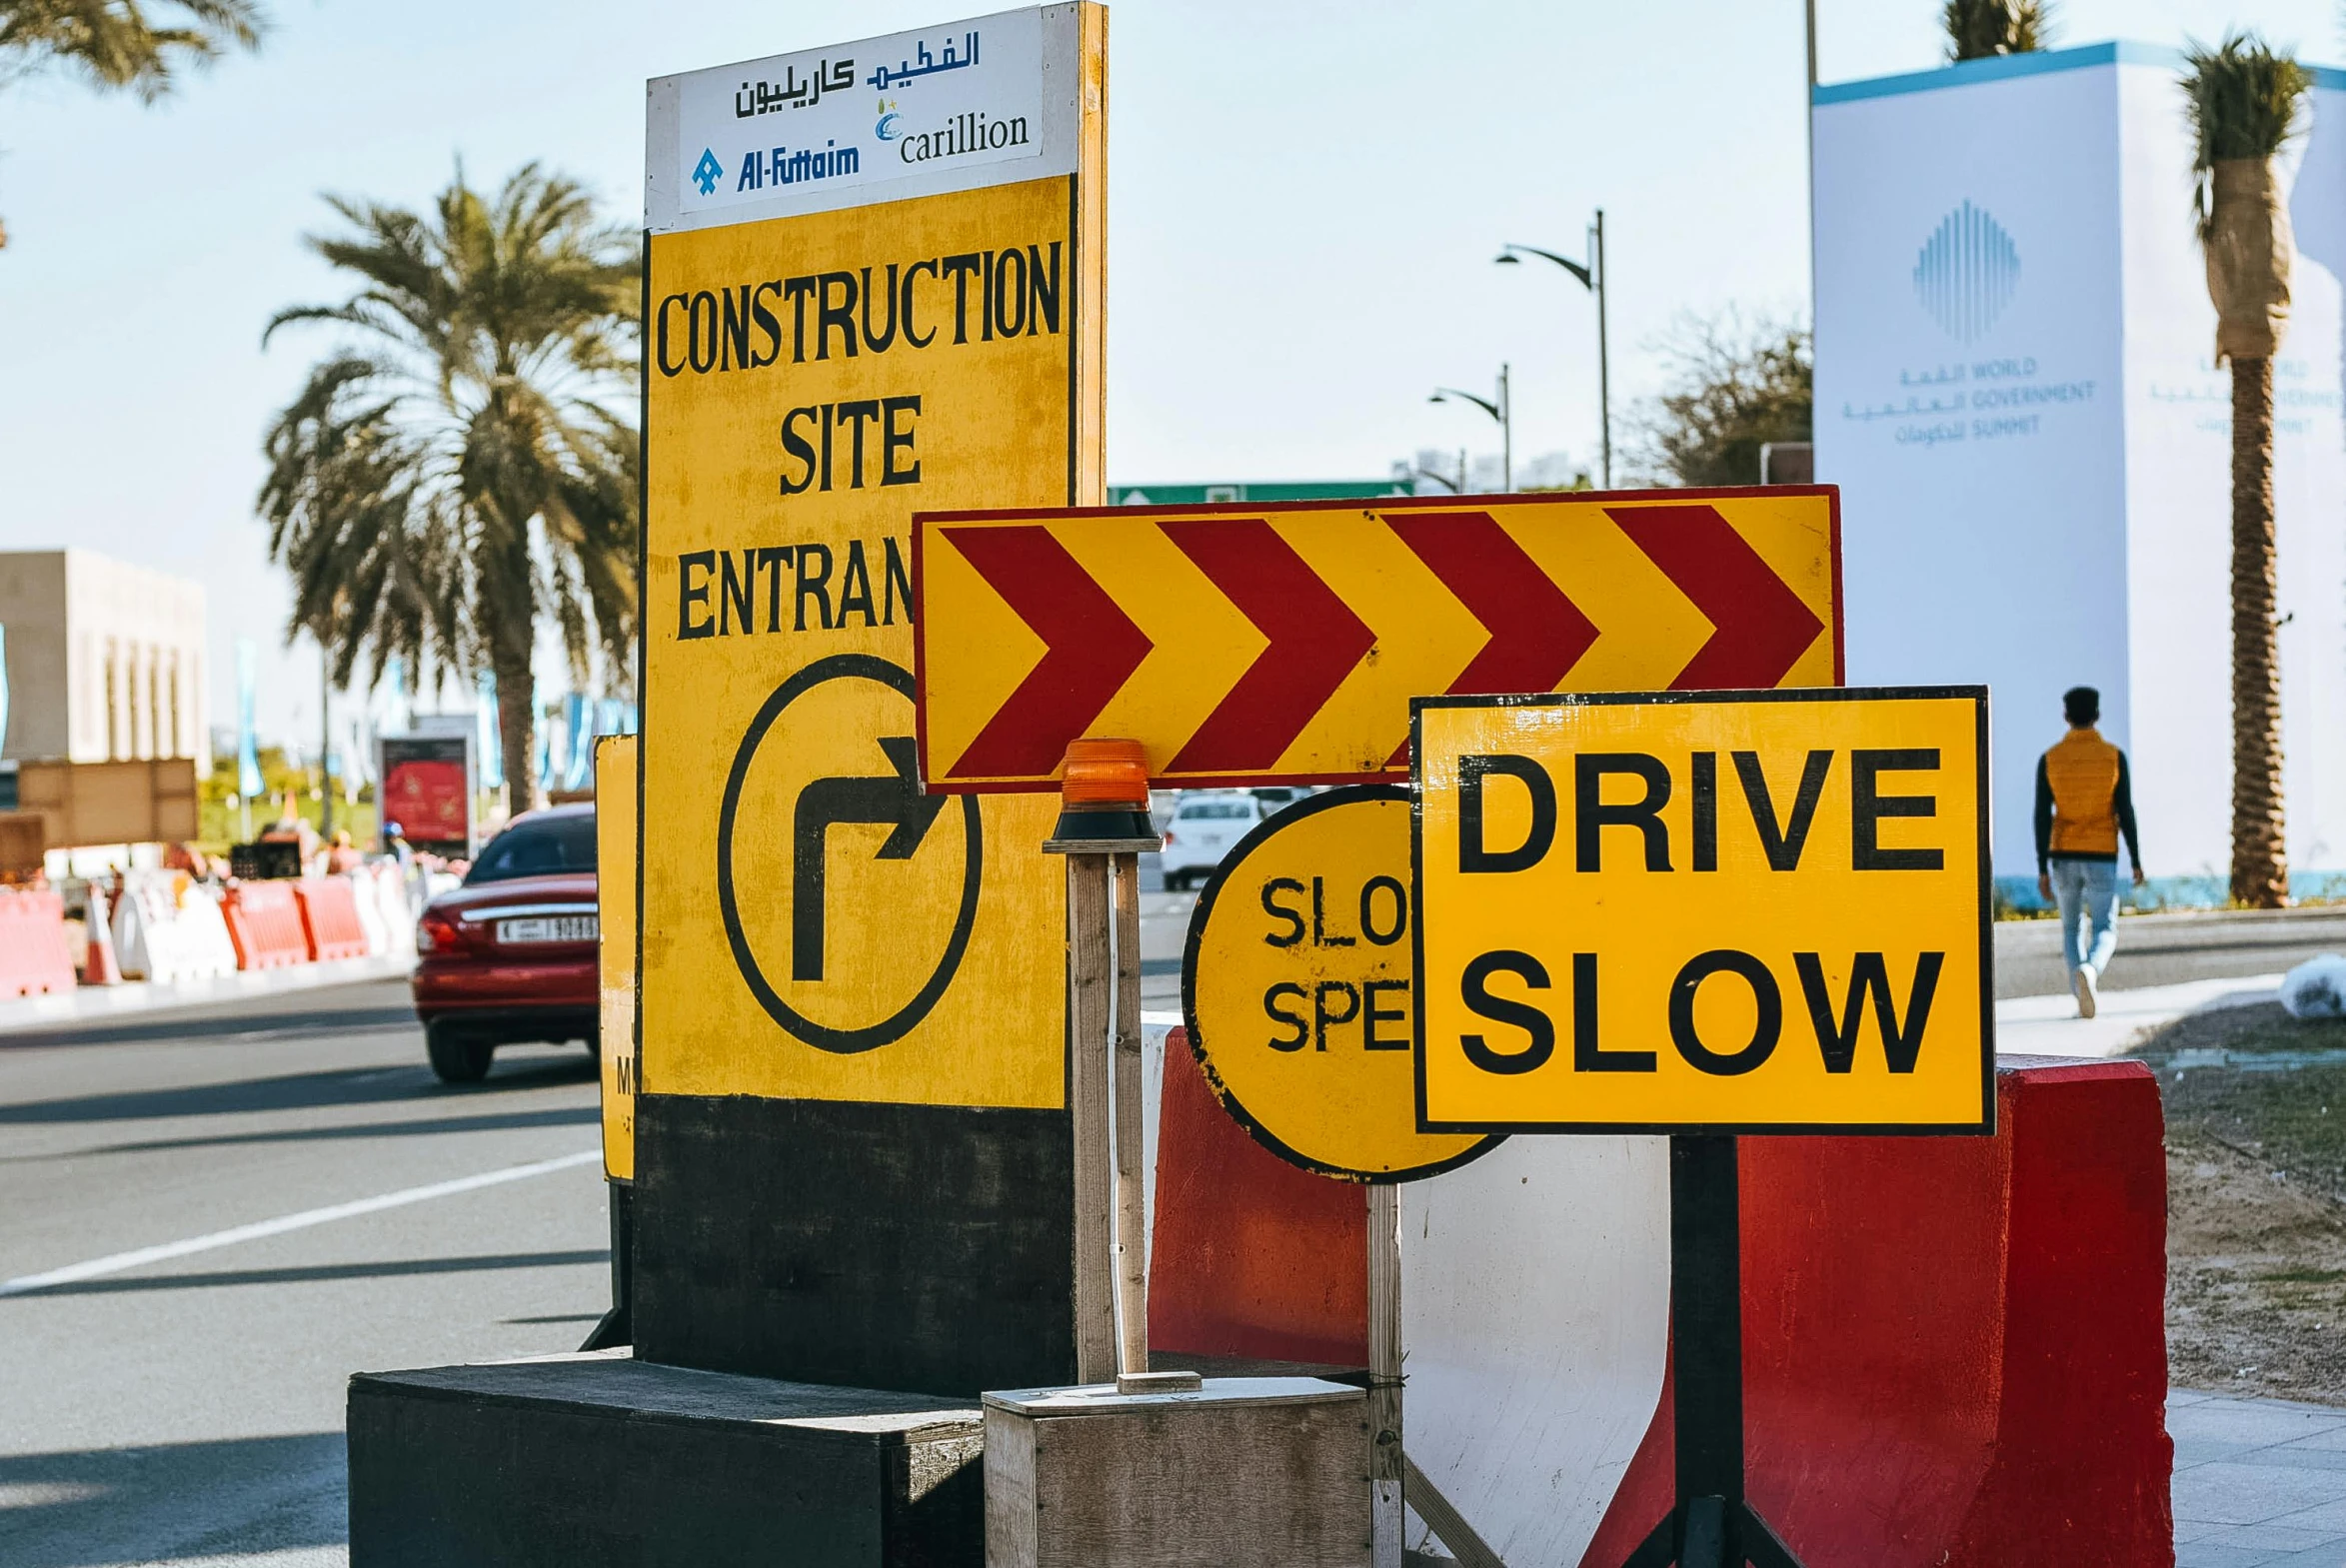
x: 1977, y: 695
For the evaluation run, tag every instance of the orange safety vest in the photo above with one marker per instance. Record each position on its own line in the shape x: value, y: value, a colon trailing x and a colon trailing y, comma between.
x: 2082, y: 770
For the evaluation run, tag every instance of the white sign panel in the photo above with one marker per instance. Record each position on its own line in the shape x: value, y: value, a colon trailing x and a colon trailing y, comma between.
x: 814, y: 124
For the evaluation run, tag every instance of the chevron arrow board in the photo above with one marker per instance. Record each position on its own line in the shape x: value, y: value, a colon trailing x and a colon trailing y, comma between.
x: 1257, y: 645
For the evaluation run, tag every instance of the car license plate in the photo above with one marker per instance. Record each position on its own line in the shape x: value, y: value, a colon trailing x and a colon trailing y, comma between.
x: 543, y: 928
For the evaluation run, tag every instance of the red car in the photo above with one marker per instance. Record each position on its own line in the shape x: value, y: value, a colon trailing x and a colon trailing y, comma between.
x: 511, y: 956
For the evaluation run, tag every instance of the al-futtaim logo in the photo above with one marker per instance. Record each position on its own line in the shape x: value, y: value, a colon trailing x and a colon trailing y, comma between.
x: 1967, y: 272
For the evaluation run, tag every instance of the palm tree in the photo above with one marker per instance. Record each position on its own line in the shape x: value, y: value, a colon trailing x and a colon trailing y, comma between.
x: 116, y: 46
x: 1977, y: 29
x: 461, y: 468
x: 2243, y: 100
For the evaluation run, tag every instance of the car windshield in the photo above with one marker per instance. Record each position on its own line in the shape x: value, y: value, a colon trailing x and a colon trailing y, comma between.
x: 1217, y: 811
x: 547, y: 847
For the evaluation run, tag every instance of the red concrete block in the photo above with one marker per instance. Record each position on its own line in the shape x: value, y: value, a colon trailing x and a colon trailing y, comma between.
x: 1955, y: 1348
x: 1251, y: 1256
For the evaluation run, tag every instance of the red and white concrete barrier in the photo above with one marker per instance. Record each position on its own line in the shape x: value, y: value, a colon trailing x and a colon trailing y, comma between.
x: 1955, y: 1348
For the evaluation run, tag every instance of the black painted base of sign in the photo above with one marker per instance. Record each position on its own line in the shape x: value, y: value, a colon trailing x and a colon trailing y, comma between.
x: 1711, y: 1524
x: 603, y: 1459
x: 881, y: 1247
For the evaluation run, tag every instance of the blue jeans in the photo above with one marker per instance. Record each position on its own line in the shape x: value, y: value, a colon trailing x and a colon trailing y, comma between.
x: 2087, y: 888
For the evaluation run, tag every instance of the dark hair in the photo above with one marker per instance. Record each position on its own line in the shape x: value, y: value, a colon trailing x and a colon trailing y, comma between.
x: 2081, y: 706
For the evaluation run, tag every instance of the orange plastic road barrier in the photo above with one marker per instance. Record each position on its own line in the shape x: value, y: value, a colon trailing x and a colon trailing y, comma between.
x: 330, y: 918
x: 100, y: 966
x: 265, y: 923
x: 34, y: 957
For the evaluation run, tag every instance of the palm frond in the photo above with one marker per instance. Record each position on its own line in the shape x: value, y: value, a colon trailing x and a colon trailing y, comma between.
x: 456, y: 471
x: 1978, y: 29
x: 113, y: 43
x: 2242, y: 98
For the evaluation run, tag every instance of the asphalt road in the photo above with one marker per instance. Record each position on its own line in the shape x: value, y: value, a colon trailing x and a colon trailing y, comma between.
x: 189, y: 1409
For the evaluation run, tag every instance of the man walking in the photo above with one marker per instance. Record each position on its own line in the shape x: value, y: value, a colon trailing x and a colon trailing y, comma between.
x: 2083, y: 803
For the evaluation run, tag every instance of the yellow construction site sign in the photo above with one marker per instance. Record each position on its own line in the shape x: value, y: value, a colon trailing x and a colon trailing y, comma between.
x: 1748, y: 911
x: 1299, y: 990
x: 832, y: 343
x: 615, y: 897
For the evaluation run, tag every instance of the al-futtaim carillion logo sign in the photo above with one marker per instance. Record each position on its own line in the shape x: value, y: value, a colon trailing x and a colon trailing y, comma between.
x: 879, y: 109
x: 1967, y: 272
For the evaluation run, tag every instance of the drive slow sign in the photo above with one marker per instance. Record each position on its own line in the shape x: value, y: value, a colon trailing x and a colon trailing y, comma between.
x: 1755, y: 912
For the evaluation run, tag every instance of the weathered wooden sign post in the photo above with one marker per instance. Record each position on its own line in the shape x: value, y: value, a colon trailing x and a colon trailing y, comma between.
x: 1705, y: 915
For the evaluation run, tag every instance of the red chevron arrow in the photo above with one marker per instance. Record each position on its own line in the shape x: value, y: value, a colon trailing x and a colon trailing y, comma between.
x: 1315, y: 639
x: 1761, y: 626
x: 1536, y: 634
x: 1091, y: 648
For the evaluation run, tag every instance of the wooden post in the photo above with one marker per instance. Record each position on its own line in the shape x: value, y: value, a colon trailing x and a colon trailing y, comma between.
x: 1088, y: 973
x: 1131, y: 1199
x: 1385, y: 1375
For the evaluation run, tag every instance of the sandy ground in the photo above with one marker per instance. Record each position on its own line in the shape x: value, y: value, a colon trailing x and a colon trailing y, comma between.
x: 2256, y: 1203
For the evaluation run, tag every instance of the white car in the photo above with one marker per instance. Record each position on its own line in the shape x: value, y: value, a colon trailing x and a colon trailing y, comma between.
x: 1204, y: 827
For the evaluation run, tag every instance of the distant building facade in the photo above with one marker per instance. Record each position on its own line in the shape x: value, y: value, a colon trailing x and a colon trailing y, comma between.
x: 105, y: 660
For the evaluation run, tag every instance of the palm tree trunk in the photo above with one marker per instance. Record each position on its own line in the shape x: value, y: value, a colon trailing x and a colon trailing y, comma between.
x: 2260, y: 862
x: 517, y: 702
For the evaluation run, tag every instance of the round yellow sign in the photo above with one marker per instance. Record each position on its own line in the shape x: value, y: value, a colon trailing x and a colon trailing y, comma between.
x: 1297, y: 988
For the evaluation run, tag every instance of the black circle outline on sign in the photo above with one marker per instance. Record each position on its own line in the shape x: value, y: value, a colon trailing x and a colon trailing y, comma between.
x: 845, y: 1042
x: 1261, y: 834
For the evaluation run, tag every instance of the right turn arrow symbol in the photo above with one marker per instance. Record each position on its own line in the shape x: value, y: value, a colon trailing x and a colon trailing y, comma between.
x: 894, y: 800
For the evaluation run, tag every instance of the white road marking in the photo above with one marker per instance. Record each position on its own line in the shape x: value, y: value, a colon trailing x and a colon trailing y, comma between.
x: 119, y: 1262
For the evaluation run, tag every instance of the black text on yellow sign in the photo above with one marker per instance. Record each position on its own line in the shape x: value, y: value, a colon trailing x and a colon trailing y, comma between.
x: 1762, y: 912
x: 814, y: 926
x: 1296, y: 987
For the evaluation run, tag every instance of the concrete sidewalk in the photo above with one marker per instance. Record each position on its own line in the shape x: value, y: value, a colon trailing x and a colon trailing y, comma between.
x: 2050, y: 1025
x: 2257, y: 1482
x: 133, y: 998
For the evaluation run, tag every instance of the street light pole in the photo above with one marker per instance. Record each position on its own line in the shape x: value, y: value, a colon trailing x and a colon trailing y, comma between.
x: 1502, y: 413
x: 1592, y: 278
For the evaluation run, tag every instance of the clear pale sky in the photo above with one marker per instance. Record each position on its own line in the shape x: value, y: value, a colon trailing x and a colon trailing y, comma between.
x: 1303, y: 201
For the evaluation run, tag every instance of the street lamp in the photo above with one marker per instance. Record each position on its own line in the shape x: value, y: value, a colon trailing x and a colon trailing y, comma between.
x: 1593, y: 279
x: 1503, y: 412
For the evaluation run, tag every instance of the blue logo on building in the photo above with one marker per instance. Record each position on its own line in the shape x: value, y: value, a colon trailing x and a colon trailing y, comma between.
x: 1967, y: 273
x: 706, y: 172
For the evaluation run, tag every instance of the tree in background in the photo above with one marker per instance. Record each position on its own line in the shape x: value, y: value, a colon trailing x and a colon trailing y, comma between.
x: 2243, y: 99
x: 115, y: 45
x: 1734, y: 386
x: 461, y: 468
x: 1977, y: 29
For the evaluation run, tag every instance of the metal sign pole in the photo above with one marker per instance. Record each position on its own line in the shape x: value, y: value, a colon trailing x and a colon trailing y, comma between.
x: 1711, y: 1525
